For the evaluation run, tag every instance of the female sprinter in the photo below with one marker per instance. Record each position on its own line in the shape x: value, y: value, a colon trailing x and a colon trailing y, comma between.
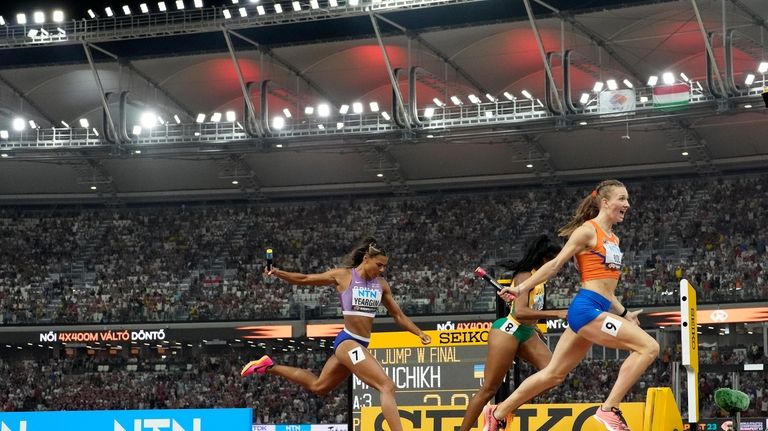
x: 515, y: 335
x: 595, y: 315
x: 361, y: 290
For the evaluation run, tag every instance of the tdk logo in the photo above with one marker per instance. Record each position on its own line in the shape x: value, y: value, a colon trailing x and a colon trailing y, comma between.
x: 22, y: 426
x: 153, y: 425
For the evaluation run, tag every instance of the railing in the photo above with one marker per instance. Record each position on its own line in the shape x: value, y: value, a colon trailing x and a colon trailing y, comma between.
x: 193, y: 20
x: 446, y: 117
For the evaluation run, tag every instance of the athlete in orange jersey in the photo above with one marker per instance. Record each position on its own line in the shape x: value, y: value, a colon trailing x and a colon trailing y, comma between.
x: 595, y: 315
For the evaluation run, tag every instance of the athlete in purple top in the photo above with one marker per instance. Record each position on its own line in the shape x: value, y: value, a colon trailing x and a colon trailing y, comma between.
x: 361, y: 291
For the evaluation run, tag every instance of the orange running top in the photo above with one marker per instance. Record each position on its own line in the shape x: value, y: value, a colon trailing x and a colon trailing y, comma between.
x: 601, y: 261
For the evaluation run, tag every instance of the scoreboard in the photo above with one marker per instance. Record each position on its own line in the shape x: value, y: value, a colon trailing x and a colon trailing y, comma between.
x: 442, y: 376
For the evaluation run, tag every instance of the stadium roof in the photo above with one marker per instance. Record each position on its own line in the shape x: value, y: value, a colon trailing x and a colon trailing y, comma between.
x: 177, y: 63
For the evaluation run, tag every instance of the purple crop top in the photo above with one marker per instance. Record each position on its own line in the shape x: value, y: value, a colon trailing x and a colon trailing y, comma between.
x: 362, y: 297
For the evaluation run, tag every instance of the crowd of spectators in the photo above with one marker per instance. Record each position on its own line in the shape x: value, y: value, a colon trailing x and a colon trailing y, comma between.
x: 198, y: 380
x: 205, y: 262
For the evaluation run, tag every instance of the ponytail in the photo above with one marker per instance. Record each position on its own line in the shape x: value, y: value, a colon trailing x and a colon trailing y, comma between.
x: 367, y: 246
x: 589, y: 206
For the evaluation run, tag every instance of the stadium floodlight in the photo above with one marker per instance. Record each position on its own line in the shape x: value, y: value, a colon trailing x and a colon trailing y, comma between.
x: 488, y: 114
x: 296, y: 6
x: 136, y: 130
x: 333, y: 3
x: 91, y: 13
x: 161, y: 6
x: 126, y: 9
x: 2, y: 20
x: 38, y: 17
x: 148, y: 119
x: 287, y: 113
x: 612, y: 85
x: 489, y: 97
x: 33, y: 32
x: 32, y: 124
x: 216, y: 117
x: 21, y: 18
x: 43, y: 32
x: 750, y: 79
x: 19, y: 124
x: 65, y: 124
x: 438, y: 102
x: 144, y: 8
x: 314, y: 4
x: 260, y: 10
x: 668, y: 78
x: 309, y: 110
x: 509, y: 96
x: 200, y: 118
x: 357, y: 108
x: 84, y: 123
x: 4, y: 134
x: 278, y: 8
x: 235, y: 1
x: 628, y: 83
x: 323, y: 110
x: 180, y: 4
x: 354, y: 2
x: 243, y: 12
x: 108, y: 11
x: 763, y: 67
x: 339, y: 125
x: 529, y: 166
x: 526, y: 94
x: 278, y: 122
x: 474, y: 99
x: 231, y: 116
x: 584, y: 98
x: 385, y: 115
x: 321, y: 127
x: 177, y: 119
x: 227, y: 13
x: 58, y: 16
x: 429, y: 112
x: 198, y: 3
x: 374, y: 106
x: 684, y: 77
x: 456, y: 101
x: 653, y: 80
x: 344, y: 109
x: 598, y: 87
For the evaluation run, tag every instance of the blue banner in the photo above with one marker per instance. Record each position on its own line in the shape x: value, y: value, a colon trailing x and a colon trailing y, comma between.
x: 130, y: 420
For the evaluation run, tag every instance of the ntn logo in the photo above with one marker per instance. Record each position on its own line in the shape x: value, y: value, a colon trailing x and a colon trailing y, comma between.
x: 157, y: 425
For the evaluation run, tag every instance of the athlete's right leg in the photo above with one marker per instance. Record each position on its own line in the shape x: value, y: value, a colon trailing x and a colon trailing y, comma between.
x: 333, y: 373
x: 362, y: 363
x: 570, y: 350
x: 502, y: 348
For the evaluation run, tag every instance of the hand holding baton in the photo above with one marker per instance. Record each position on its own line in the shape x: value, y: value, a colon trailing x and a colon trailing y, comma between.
x: 480, y: 272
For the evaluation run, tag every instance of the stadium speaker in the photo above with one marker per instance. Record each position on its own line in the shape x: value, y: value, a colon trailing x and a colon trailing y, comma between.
x: 765, y: 96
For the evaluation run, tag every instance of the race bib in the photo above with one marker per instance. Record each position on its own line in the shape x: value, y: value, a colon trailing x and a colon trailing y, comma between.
x: 613, y: 255
x: 365, y: 299
x: 611, y: 326
x: 510, y: 326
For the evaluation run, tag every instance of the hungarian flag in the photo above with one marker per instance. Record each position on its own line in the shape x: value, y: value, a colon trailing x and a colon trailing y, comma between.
x: 670, y: 96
